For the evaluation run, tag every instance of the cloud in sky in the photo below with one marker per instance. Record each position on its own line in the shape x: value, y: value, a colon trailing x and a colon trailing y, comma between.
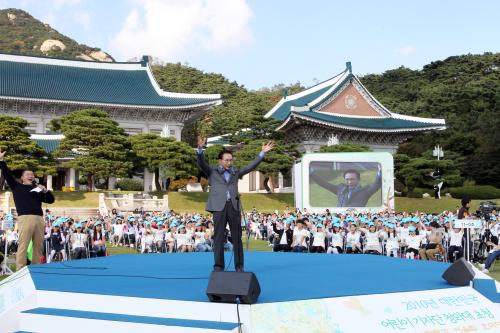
x: 84, y: 19
x: 173, y: 29
x: 406, y: 50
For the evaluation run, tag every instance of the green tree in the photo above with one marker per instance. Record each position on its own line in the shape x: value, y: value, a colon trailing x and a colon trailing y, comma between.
x: 175, y: 158
x: 464, y: 90
x: 98, y: 146
x: 344, y: 148
x: 22, y: 152
x: 212, y: 153
x: 425, y: 172
x: 280, y: 159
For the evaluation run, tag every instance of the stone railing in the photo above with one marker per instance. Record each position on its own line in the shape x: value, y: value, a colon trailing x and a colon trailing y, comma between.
x: 128, y: 203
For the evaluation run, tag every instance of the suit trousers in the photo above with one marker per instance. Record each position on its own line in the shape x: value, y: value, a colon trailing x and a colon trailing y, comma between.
x: 30, y: 228
x: 231, y: 216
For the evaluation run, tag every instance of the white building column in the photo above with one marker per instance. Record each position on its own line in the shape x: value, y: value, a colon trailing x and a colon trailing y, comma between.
x: 257, y: 181
x: 148, y: 180
x: 153, y: 183
x: 49, y: 182
x: 280, y: 182
x: 72, y: 178
x: 112, y: 183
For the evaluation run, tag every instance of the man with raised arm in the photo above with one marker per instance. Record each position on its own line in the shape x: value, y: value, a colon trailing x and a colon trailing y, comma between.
x: 28, y: 197
x: 224, y: 200
x: 351, y: 193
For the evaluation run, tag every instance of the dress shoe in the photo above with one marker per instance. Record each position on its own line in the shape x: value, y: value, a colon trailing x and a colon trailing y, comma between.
x: 218, y: 269
x: 239, y: 269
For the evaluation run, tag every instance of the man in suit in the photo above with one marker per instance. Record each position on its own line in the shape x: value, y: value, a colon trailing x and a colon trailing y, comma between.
x: 224, y: 200
x: 350, y: 194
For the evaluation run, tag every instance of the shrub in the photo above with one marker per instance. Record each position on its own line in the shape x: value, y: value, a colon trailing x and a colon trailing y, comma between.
x: 175, y: 185
x: 418, y: 192
x: 128, y: 184
x: 475, y: 192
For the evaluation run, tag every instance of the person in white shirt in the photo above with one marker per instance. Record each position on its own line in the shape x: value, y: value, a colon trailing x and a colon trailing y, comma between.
x: 336, y: 240
x: 78, y: 242
x: 413, y: 242
x: 147, y: 238
x: 159, y: 236
x: 201, y: 239
x: 353, y: 240
x: 318, y: 245
x: 131, y: 233
x: 170, y: 237
x: 117, y: 237
x: 300, y: 235
x: 456, y: 235
x: 372, y: 240
x: 183, y: 240
x: 403, y: 233
x: 283, y: 237
x: 12, y: 239
x: 392, y: 243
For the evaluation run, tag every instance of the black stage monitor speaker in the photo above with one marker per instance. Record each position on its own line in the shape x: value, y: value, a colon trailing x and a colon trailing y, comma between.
x: 224, y: 287
x: 460, y: 273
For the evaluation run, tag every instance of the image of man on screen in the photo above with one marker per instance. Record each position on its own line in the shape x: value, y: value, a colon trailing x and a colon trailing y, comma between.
x: 351, y: 193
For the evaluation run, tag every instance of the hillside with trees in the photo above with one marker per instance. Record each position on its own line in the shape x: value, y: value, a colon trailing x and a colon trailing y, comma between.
x: 464, y: 90
x: 21, y: 33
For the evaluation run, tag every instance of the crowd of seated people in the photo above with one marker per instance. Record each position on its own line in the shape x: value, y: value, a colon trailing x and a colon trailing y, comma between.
x: 412, y: 236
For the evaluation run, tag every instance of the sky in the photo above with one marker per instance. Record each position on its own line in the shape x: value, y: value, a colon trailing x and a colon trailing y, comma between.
x: 260, y: 43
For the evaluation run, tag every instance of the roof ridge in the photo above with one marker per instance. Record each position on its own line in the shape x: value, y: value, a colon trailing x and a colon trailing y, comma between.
x: 305, y: 92
x: 312, y: 116
x: 73, y: 63
x: 68, y: 59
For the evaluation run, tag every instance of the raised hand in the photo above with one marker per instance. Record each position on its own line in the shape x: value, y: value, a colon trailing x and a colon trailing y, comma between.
x: 201, y: 141
x: 2, y: 154
x: 267, y: 146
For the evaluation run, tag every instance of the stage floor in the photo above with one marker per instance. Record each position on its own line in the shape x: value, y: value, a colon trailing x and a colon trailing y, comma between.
x: 283, y: 277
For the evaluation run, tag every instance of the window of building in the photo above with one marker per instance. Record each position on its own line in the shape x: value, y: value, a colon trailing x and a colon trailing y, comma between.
x: 132, y: 131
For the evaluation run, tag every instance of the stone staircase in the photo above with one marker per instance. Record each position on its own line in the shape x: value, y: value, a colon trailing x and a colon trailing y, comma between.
x: 75, y: 213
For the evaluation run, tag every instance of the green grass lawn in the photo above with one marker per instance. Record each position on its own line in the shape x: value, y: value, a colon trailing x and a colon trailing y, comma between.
x: 195, y: 202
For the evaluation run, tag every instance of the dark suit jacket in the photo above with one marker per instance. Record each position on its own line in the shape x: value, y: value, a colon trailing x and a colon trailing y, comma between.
x: 218, y: 185
x: 289, y: 235
x: 359, y: 196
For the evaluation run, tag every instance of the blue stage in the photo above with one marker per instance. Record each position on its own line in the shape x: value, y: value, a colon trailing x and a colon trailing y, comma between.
x: 283, y: 276
x: 301, y: 292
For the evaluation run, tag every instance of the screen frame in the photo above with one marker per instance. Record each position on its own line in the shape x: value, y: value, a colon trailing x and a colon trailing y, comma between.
x: 387, y: 167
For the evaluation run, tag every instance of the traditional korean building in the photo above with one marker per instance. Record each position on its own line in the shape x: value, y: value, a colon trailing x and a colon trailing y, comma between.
x: 40, y: 89
x: 341, y: 110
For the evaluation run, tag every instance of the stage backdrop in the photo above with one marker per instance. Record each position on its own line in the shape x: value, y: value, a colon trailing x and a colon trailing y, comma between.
x: 344, y: 181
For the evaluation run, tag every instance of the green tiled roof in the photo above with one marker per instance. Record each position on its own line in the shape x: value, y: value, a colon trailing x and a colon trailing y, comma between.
x: 284, y: 110
x: 87, y: 85
x: 48, y: 145
x: 302, y: 107
x: 309, y: 95
x: 367, y: 123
